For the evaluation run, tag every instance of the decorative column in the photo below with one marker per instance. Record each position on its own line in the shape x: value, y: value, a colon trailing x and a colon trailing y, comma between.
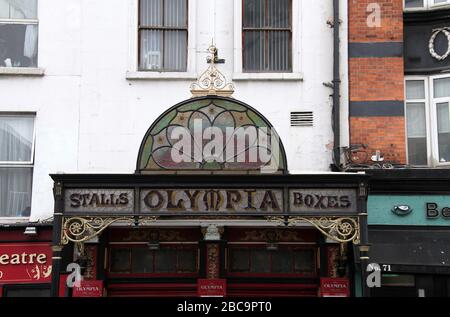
x: 57, y: 246
x: 364, y: 237
x: 213, y: 252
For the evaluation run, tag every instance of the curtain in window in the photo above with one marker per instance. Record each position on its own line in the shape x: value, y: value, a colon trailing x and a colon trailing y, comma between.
x: 417, y: 135
x: 18, y: 42
x: 415, y: 89
x: 16, y: 139
x: 163, y: 35
x: 18, y: 9
x: 443, y: 117
x: 267, y: 35
x: 442, y: 87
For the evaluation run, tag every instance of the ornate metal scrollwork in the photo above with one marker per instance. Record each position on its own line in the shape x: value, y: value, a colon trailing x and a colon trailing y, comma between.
x: 340, y: 229
x: 212, y: 81
x: 81, y: 229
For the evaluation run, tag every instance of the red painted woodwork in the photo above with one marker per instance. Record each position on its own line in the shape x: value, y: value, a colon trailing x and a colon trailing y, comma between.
x: 152, y: 290
x: 272, y: 290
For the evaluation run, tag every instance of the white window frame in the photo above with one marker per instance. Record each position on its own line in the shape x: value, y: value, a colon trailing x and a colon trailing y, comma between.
x: 427, y: 5
x: 29, y: 164
x: 295, y: 74
x: 434, y: 126
x: 32, y: 71
x: 133, y: 71
x: 430, y: 118
x: 427, y: 116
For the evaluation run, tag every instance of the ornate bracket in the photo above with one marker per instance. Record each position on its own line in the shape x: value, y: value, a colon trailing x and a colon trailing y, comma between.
x: 340, y: 229
x: 212, y: 81
x: 82, y: 229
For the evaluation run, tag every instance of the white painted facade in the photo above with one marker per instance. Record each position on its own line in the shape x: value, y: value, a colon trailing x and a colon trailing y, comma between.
x: 93, y: 108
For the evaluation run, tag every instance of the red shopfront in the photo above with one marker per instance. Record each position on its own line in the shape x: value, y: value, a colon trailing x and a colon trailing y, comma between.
x: 25, y: 261
x: 253, y: 261
x: 242, y: 226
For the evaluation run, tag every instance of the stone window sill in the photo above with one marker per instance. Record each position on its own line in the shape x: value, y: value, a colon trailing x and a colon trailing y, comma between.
x: 132, y: 75
x: 268, y: 76
x: 21, y: 71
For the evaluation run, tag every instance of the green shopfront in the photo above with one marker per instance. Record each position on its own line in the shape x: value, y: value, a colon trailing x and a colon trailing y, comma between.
x: 409, y: 232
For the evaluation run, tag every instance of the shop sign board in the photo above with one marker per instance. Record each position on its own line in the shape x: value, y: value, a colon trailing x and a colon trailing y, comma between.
x: 25, y: 263
x: 334, y: 287
x: 212, y: 287
x: 88, y: 288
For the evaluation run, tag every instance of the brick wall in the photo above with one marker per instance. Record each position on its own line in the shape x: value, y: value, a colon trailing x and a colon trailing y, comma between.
x: 376, y: 79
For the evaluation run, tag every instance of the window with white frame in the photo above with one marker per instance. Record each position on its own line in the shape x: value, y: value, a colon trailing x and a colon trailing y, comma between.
x: 424, y: 4
x: 18, y: 33
x: 16, y: 164
x: 267, y: 35
x: 163, y: 35
x: 428, y: 120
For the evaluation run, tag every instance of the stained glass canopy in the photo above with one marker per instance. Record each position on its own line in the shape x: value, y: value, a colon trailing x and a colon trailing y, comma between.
x: 211, y: 135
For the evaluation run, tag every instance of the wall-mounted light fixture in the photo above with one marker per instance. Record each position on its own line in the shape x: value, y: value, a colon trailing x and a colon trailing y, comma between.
x: 30, y: 231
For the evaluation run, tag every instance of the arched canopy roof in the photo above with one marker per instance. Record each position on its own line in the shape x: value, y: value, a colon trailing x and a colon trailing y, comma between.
x: 211, y: 134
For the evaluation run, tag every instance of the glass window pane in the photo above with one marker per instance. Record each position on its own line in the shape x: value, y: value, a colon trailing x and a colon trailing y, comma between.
x: 239, y: 260
x: 413, y: 3
x: 18, y: 45
x: 175, y: 13
x: 16, y: 139
x: 282, y: 261
x: 175, y: 51
x: 187, y: 261
x: 151, y: 13
x: 279, y: 51
x: 305, y: 261
x: 142, y: 260
x: 260, y: 261
x: 254, y: 13
x: 415, y: 89
x: 18, y: 9
x: 443, y: 118
x: 15, y: 192
x: 416, y: 132
x: 165, y: 261
x: 151, y: 44
x: 278, y: 13
x: 254, y: 45
x: 120, y: 260
x: 442, y: 87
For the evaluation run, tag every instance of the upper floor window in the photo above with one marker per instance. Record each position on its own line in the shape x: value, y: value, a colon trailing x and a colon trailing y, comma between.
x: 18, y: 33
x: 428, y: 120
x: 267, y: 35
x: 425, y: 4
x: 163, y: 35
x: 16, y: 165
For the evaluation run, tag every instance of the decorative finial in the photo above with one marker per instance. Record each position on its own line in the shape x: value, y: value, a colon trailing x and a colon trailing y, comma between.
x: 212, y: 81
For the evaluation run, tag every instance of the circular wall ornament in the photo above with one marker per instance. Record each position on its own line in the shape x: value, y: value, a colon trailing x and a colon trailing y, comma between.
x: 446, y: 32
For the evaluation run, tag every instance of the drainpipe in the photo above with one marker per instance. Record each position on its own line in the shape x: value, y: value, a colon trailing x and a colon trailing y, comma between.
x: 336, y: 87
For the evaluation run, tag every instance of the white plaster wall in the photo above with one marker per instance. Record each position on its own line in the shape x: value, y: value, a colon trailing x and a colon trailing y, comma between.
x: 91, y: 118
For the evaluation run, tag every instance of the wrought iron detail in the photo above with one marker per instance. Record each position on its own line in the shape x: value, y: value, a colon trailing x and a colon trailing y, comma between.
x: 82, y: 229
x: 212, y: 81
x: 340, y: 229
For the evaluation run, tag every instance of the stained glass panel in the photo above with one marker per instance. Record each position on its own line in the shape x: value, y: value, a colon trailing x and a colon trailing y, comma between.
x: 212, y: 134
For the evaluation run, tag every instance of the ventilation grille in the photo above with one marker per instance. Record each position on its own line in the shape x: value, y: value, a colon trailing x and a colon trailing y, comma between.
x: 302, y: 119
